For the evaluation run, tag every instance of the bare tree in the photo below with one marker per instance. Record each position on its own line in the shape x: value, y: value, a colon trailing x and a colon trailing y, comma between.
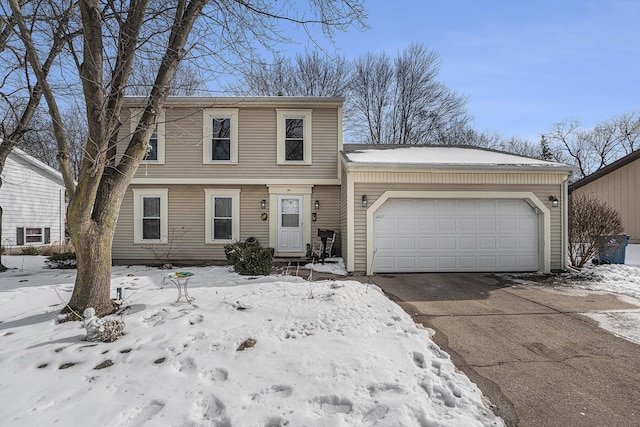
x: 114, y: 35
x: 593, y: 149
x: 403, y: 102
x: 371, y: 97
x: 311, y: 74
x: 19, y: 94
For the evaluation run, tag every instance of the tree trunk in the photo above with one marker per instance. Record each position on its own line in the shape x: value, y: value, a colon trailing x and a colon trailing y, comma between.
x: 93, y: 280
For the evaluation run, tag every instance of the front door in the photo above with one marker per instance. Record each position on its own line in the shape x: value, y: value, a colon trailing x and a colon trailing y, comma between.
x: 290, y: 224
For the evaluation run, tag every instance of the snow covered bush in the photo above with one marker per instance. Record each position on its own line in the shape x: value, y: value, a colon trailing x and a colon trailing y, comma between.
x: 590, y: 220
x: 102, y: 330
x: 248, y: 259
x: 62, y: 260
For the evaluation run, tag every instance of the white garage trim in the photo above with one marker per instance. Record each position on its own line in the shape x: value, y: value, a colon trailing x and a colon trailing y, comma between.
x: 532, y: 199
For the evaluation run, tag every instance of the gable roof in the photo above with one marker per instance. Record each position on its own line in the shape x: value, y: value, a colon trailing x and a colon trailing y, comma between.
x: 442, y: 156
x: 629, y: 158
x: 37, y: 165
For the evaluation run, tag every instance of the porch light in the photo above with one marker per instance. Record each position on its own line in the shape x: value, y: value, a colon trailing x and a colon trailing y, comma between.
x: 317, y: 204
x: 554, y: 201
x: 364, y: 200
x: 263, y: 203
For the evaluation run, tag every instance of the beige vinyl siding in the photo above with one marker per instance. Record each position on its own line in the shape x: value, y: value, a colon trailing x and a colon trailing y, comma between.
x: 257, y: 146
x: 187, y: 222
x: 374, y: 190
x: 620, y: 189
x: 187, y: 225
x: 329, y: 213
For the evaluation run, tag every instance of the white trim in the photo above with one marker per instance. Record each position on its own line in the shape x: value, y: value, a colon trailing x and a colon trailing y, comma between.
x: 210, y: 194
x: 160, y: 132
x: 532, y: 199
x: 235, y: 181
x: 207, y: 130
x: 289, y: 190
x: 305, y: 115
x: 351, y: 226
x: 138, y: 195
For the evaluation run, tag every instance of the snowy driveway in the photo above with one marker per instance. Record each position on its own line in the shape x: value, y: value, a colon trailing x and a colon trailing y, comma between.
x: 534, y: 353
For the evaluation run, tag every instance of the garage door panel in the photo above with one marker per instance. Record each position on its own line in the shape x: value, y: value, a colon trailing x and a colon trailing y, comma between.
x: 426, y: 243
x: 406, y: 243
x: 487, y: 243
x: 446, y: 224
x: 466, y: 243
x: 455, y: 235
x: 467, y: 224
x: 445, y: 243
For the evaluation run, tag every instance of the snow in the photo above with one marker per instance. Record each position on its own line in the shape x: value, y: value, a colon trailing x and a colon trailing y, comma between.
x: 443, y: 156
x: 326, y: 353
x: 621, y: 280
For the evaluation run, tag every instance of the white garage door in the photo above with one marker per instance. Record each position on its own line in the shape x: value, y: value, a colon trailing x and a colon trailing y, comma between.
x: 423, y: 235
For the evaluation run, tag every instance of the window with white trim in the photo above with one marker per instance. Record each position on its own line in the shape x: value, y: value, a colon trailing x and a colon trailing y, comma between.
x: 151, y: 212
x: 222, y: 215
x: 33, y: 235
x: 220, y: 135
x: 294, y: 136
x: 155, y: 148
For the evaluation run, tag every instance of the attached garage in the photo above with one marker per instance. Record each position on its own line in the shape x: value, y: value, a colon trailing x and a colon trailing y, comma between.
x: 451, y: 209
x: 444, y: 235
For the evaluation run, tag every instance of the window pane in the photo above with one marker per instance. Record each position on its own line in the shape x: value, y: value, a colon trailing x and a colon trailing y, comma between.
x: 221, y: 149
x: 152, y: 150
x: 221, y: 128
x: 33, y: 231
x: 222, y: 207
x: 295, y: 128
x: 294, y: 150
x: 151, y: 207
x: 290, y: 220
x: 151, y: 229
x: 222, y: 229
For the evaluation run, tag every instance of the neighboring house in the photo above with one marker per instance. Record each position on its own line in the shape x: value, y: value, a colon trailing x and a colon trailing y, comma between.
x: 618, y: 185
x: 275, y: 168
x: 32, y: 197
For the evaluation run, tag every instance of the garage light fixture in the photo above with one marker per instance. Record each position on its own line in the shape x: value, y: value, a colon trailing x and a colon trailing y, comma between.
x: 364, y: 200
x: 554, y: 201
x: 263, y: 203
x: 317, y: 204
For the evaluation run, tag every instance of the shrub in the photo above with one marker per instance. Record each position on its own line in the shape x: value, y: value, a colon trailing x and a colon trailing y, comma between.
x: 62, y: 260
x: 589, y: 220
x: 30, y: 250
x: 248, y: 259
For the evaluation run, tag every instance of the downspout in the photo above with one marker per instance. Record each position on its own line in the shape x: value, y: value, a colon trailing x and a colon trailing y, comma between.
x: 565, y: 223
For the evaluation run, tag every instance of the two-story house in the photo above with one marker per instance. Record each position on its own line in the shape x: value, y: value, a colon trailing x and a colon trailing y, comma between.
x: 222, y: 169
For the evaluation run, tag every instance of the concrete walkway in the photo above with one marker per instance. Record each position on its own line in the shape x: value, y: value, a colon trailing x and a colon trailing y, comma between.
x: 530, y: 351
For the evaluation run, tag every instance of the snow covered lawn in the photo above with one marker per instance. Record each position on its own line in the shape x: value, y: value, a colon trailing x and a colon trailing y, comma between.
x: 329, y: 353
x: 620, y: 280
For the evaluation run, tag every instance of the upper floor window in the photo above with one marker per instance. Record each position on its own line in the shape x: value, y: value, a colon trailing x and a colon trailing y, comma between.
x: 294, y: 137
x: 150, y: 211
x: 220, y: 136
x: 155, y: 148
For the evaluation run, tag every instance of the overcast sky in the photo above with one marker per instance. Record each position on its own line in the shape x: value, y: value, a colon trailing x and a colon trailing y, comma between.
x: 523, y: 64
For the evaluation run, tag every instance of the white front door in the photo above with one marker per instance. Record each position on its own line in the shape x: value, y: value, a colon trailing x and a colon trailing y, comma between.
x: 290, y: 224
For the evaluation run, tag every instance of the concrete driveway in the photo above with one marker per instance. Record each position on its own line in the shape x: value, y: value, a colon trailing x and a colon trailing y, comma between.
x: 530, y: 351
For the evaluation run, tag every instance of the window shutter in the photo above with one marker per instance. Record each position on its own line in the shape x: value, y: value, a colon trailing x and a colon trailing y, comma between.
x: 47, y: 236
x: 20, y: 236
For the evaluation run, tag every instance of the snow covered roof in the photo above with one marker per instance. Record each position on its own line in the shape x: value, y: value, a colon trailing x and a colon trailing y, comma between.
x: 436, y: 156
